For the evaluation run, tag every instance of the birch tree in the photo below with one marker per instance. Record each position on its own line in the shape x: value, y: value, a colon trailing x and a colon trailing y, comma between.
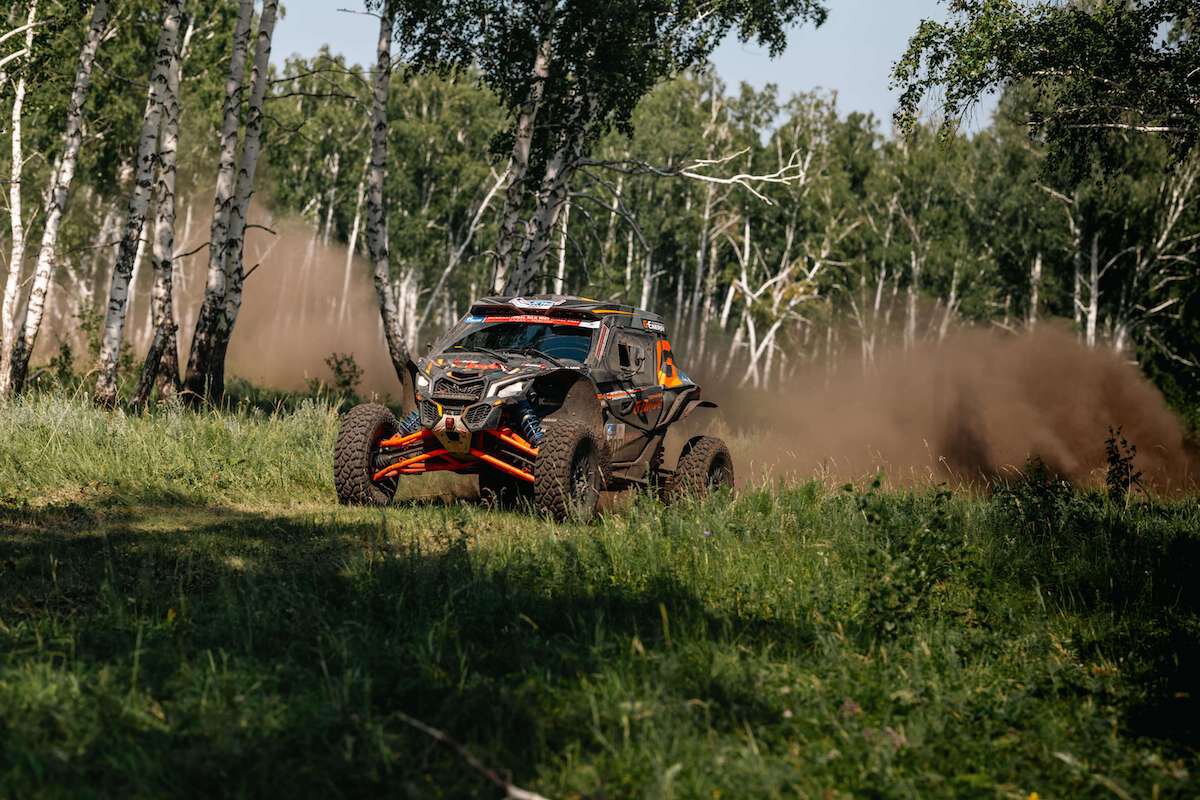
x: 161, y: 365
x: 377, y: 234
x: 16, y: 261
x: 569, y: 73
x: 234, y: 249
x: 518, y: 165
x: 57, y: 195
x: 105, y: 391
x: 200, y: 367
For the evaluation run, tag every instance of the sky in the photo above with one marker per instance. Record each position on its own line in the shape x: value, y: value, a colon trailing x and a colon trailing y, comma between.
x: 851, y: 54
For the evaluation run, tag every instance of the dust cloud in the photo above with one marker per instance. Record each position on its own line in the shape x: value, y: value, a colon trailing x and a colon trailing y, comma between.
x: 974, y: 407
x: 302, y: 301
x: 301, y: 305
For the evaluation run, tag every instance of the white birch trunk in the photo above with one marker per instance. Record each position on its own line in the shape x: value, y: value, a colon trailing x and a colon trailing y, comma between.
x: 331, y: 197
x: 910, y: 321
x: 457, y: 253
x: 952, y: 303
x: 59, y: 190
x: 251, y: 147
x: 377, y: 235
x: 647, y: 281
x: 105, y: 392
x: 162, y: 357
x: 514, y: 187
x: 551, y: 199
x: 628, y: 260
x: 1035, y: 288
x: 1093, y: 306
x: 352, y: 244
x: 16, y: 262
x: 610, y: 235
x: 208, y: 319
x: 561, y: 275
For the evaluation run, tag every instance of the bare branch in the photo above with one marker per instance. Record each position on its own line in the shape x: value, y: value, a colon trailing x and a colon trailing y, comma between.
x: 12, y: 56
x: 363, y: 13
x: 791, y: 173
x: 339, y: 95
x: 510, y: 790
x: 192, y: 252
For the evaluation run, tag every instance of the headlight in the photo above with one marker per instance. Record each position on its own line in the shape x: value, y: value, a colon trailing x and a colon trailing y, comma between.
x: 509, y: 390
x: 422, y: 382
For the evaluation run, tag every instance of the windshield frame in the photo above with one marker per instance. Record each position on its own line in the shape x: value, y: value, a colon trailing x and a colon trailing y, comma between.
x: 474, y: 322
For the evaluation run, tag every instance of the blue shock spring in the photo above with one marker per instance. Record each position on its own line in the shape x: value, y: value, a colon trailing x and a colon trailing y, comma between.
x: 531, y: 424
x: 411, y: 422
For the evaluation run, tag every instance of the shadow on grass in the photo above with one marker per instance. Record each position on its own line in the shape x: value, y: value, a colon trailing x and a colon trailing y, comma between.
x: 222, y: 651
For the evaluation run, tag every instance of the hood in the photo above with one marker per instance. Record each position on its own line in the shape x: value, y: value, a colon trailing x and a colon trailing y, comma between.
x: 470, y: 371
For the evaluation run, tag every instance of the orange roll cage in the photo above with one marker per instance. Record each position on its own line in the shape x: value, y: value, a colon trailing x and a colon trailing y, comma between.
x: 440, y: 459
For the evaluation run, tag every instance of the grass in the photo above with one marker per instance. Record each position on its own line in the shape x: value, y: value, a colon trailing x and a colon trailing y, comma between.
x: 184, y: 610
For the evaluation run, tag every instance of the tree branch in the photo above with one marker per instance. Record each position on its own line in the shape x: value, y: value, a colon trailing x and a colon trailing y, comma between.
x: 510, y: 790
x: 790, y: 173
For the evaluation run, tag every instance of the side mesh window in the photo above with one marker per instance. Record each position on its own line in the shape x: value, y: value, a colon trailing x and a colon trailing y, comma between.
x: 632, y: 357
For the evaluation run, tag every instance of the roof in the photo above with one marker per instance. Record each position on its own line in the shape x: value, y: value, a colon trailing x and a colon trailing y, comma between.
x: 622, y: 315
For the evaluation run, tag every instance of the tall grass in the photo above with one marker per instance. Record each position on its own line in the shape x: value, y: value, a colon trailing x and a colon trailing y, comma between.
x: 184, y: 611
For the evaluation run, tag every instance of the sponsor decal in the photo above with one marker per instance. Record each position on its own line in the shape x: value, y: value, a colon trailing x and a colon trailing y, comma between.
x: 472, y: 319
x: 525, y: 302
x: 619, y: 394
x: 470, y: 363
x: 654, y: 325
x: 614, y: 430
x: 544, y: 320
x: 645, y: 406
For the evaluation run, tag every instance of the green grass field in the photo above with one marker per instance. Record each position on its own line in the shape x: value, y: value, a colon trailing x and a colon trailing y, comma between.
x: 185, y: 611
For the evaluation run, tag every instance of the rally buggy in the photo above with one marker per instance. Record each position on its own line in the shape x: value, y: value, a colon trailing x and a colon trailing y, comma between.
x: 549, y: 400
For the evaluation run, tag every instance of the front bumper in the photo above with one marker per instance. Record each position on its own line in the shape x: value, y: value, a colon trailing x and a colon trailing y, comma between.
x: 480, y: 416
x: 465, y: 452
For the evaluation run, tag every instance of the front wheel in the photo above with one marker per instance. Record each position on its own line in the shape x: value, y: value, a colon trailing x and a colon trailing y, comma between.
x: 704, y: 468
x: 569, y: 472
x: 355, y: 456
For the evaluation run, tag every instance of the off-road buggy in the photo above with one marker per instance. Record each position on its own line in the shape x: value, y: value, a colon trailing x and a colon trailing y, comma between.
x: 549, y: 400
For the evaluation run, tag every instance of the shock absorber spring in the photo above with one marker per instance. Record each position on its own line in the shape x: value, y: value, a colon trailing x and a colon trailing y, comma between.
x: 410, y: 423
x: 531, y: 424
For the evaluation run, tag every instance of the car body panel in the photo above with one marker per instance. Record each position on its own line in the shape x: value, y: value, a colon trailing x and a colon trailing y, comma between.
x: 628, y: 386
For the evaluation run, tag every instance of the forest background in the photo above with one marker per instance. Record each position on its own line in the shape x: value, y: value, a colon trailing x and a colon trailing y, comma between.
x: 778, y: 234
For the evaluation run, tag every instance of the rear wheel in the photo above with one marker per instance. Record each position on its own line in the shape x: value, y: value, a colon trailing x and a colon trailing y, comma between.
x: 569, y: 472
x: 356, y: 456
x: 704, y: 467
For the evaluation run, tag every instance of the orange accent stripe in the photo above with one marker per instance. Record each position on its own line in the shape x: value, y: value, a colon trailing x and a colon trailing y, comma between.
x: 500, y: 465
x: 399, y: 465
x: 430, y: 466
x: 517, y: 442
x: 665, y: 358
x: 399, y: 440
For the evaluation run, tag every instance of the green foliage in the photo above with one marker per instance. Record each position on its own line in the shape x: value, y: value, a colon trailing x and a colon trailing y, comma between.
x: 960, y: 220
x: 185, y: 610
x: 604, y: 57
x: 1101, y: 69
x: 1121, y: 477
x: 346, y: 374
x: 912, y: 545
